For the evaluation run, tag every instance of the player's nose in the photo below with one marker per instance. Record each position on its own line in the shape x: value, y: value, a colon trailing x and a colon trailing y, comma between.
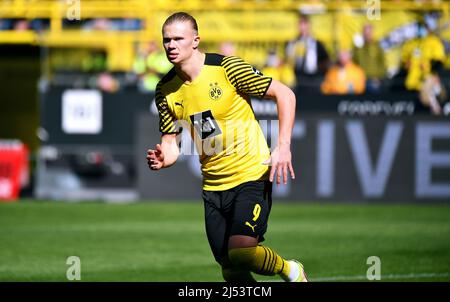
x: 171, y: 44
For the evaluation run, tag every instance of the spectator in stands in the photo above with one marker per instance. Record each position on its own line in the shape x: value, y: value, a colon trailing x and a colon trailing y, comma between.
x: 422, y: 55
x: 21, y: 25
x: 308, y: 55
x: 277, y: 69
x: 150, y: 65
x: 227, y: 49
x: 433, y: 93
x: 6, y: 24
x: 370, y: 58
x: 18, y: 24
x: 100, y: 24
x: 39, y: 25
x: 345, y: 77
x: 107, y: 82
x: 106, y: 24
x: 91, y: 60
x: 129, y: 24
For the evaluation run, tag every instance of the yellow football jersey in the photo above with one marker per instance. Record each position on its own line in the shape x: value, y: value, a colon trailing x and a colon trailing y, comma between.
x: 217, y: 111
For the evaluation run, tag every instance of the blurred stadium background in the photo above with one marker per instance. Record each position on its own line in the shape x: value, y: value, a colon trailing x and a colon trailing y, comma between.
x: 371, y: 142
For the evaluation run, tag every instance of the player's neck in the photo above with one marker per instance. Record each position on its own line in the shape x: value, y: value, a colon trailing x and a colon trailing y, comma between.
x: 189, y: 70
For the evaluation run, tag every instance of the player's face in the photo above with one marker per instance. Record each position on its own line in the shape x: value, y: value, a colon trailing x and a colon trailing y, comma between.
x: 179, y: 40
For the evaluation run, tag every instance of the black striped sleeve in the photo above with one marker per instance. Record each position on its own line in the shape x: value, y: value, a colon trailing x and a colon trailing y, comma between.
x: 246, y: 78
x: 167, y: 120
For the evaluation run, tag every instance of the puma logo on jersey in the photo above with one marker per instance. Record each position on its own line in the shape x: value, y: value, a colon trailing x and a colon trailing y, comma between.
x: 251, y: 226
x: 179, y: 104
x: 257, y: 72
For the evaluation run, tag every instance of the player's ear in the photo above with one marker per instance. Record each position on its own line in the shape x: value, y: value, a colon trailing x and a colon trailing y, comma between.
x: 196, y: 42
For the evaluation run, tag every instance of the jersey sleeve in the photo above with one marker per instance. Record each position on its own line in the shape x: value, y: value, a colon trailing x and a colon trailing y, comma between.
x: 167, y: 120
x: 245, y: 78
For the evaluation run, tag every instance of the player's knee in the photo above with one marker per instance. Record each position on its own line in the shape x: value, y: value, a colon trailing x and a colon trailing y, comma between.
x: 236, y: 275
x: 242, y: 257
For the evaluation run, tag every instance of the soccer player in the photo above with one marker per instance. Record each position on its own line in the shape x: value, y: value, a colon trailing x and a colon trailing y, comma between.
x: 212, y: 93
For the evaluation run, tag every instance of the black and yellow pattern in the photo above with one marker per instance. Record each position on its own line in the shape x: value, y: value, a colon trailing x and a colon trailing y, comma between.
x: 270, y: 261
x: 166, y: 117
x: 259, y: 259
x: 245, y: 77
x: 217, y: 108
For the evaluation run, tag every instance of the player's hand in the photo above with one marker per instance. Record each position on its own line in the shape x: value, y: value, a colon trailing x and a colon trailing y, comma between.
x: 281, y: 162
x: 155, y: 158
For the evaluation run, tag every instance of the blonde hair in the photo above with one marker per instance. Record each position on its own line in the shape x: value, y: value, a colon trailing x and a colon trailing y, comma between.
x: 182, y: 17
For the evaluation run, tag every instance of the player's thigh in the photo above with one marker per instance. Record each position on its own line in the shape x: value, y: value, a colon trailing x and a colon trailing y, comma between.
x: 251, y: 210
x: 216, y: 225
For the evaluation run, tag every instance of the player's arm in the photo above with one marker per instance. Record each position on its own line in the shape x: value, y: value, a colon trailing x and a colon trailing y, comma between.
x: 165, y: 154
x: 281, y: 158
x: 252, y: 82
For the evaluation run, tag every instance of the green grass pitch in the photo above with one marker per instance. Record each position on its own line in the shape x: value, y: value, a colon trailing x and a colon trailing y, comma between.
x: 166, y: 241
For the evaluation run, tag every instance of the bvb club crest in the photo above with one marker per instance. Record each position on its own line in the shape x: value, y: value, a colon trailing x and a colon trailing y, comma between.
x: 215, y: 92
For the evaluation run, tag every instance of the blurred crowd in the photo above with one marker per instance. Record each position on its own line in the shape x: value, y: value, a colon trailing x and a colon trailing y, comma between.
x: 362, y: 68
x: 303, y: 62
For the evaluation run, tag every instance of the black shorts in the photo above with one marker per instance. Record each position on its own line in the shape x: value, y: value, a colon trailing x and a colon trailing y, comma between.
x: 242, y: 210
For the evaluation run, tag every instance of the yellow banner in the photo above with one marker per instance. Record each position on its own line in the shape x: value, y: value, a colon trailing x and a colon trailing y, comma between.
x: 241, y: 26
